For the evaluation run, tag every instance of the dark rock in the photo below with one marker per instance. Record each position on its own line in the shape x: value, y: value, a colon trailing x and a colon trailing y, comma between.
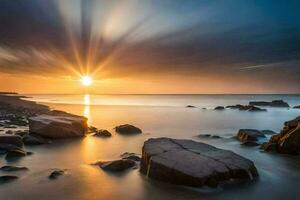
x: 288, y: 140
x: 204, y: 135
x: 9, y: 132
x: 186, y: 162
x: 116, y: 165
x: 102, y: 133
x: 297, y: 107
x: 55, y: 174
x: 15, y: 153
x: 256, y: 109
x: 245, y: 135
x: 7, y: 178
x: 250, y: 143
x: 131, y: 156
x: 209, y: 136
x: 21, y: 133
x: 8, y: 147
x: 269, y: 146
x: 190, y: 106
x: 58, y: 124
x: 92, y: 129
x: 275, y: 103
x: 33, y: 140
x: 219, y: 108
x: 9, y: 168
x: 11, y: 139
x: 246, y: 108
x: 268, y: 132
x: 128, y: 129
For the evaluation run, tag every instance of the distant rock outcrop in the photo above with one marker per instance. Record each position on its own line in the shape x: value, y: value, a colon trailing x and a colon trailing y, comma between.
x: 246, y: 108
x: 275, y: 103
x: 186, y: 162
x: 58, y: 124
x: 287, y: 141
x: 219, y: 108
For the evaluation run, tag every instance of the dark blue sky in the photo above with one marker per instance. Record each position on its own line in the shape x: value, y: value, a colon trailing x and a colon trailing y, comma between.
x: 257, y: 41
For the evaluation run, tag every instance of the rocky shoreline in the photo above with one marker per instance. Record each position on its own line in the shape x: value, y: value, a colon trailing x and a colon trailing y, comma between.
x: 182, y: 162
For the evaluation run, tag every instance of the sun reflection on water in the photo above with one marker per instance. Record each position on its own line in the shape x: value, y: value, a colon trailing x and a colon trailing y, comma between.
x: 87, y: 103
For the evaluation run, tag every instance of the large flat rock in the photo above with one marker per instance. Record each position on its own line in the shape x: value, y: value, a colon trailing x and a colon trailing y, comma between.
x: 58, y: 124
x: 186, y: 162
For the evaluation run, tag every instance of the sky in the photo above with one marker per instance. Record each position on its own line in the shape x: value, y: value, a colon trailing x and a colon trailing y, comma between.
x: 150, y: 46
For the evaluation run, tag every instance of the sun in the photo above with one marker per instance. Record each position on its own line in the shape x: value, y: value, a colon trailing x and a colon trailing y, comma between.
x: 86, y: 80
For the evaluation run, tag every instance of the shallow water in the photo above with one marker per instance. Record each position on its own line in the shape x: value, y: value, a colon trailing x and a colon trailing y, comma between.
x: 158, y: 116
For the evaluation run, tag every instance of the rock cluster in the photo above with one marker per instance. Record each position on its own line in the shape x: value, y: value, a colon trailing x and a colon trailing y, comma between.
x: 186, y: 162
x: 251, y: 108
x: 288, y: 140
x: 275, y: 103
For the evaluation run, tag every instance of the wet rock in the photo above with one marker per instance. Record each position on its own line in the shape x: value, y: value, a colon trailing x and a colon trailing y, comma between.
x: 21, y: 133
x: 219, y: 108
x: 269, y: 146
x: 268, y: 132
x: 15, y: 153
x: 131, y: 156
x: 116, y: 165
x: 33, y: 140
x: 246, y: 108
x: 209, y: 136
x: 58, y: 124
x: 9, y: 132
x: 288, y: 140
x: 9, y: 168
x: 11, y: 139
x: 128, y: 129
x: 186, y: 162
x: 297, y: 107
x: 250, y: 143
x: 256, y: 109
x: 190, y: 106
x: 7, y: 178
x: 92, y: 129
x: 275, y: 103
x: 56, y: 173
x: 245, y: 135
x: 102, y: 133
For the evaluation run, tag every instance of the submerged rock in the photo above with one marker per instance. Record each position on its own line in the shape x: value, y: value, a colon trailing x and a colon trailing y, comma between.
x: 128, y: 129
x: 288, y: 140
x: 15, y: 153
x: 116, y: 165
x: 7, y: 178
x: 131, y: 156
x: 58, y: 124
x: 11, y: 139
x: 190, y: 106
x: 8, y: 168
x: 275, y: 103
x: 219, y: 108
x: 33, y: 140
x: 186, y: 162
x: 56, y: 173
x: 246, y: 135
x: 102, y: 133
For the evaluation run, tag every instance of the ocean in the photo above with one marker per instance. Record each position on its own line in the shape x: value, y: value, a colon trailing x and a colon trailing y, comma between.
x: 157, y: 116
